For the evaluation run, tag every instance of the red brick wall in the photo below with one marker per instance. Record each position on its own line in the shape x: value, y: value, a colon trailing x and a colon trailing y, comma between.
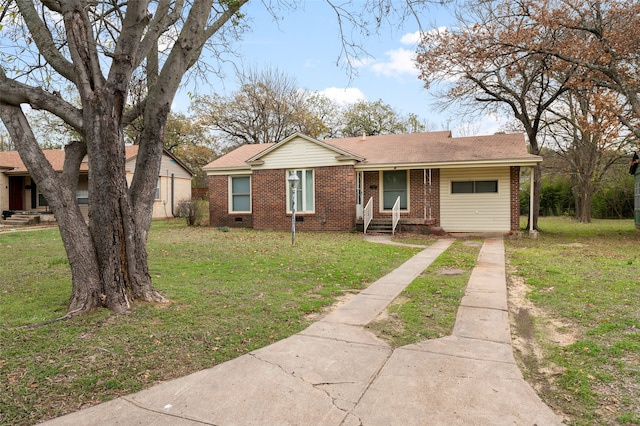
x: 515, y: 198
x: 416, y: 193
x: 334, y: 201
x: 219, y: 205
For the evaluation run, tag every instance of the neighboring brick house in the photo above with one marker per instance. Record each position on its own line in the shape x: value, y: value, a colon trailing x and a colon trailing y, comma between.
x: 19, y: 193
x: 468, y: 184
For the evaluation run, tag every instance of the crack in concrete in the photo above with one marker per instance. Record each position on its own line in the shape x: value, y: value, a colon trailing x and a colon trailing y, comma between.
x: 458, y: 356
x: 165, y: 413
x: 382, y: 344
x: 316, y: 386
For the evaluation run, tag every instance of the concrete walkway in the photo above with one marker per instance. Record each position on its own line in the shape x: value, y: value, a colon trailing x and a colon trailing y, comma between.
x: 337, y: 373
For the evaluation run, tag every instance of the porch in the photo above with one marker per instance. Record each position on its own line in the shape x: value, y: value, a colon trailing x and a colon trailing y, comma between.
x: 26, y: 218
x: 366, y: 222
x: 385, y: 226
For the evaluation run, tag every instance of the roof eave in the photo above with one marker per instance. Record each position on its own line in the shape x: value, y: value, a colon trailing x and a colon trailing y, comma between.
x: 341, y: 153
x: 523, y: 162
x: 349, y: 158
x: 219, y: 171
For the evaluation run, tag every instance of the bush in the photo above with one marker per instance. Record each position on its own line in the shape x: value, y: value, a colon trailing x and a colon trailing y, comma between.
x: 556, y: 198
x: 196, y: 212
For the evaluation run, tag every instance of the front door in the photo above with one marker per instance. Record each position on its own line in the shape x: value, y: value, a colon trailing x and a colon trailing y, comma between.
x: 16, y: 188
x: 359, y: 194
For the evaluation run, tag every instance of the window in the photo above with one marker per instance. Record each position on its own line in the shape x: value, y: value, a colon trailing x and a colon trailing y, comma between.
x: 240, y: 194
x: 82, y: 195
x: 474, y: 187
x: 158, y: 189
x: 394, y: 185
x: 305, y: 194
x: 42, y: 202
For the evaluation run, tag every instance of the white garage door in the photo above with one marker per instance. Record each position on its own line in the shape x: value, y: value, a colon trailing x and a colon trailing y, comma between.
x: 475, y: 200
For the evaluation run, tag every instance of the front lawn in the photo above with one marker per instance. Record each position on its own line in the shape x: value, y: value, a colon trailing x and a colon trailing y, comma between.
x: 573, y: 295
x: 578, y: 323
x: 229, y: 292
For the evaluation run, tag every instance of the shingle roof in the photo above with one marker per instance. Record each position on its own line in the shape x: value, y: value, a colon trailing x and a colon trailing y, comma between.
x: 436, y: 147
x: 411, y: 148
x: 11, y: 160
x: 238, y: 157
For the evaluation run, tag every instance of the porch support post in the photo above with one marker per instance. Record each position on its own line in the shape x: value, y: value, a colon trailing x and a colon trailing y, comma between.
x: 532, y: 232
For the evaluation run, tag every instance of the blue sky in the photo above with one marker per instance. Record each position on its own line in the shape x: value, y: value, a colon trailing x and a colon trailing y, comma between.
x: 305, y: 45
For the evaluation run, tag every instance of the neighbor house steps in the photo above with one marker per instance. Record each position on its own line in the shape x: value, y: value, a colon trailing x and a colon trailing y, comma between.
x: 21, y: 220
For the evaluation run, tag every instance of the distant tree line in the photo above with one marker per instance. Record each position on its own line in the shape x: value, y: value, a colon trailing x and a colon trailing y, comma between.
x: 269, y: 105
x: 613, y: 197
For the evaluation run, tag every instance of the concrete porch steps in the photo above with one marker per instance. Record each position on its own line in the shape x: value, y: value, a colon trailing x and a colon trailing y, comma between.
x: 378, y: 226
x: 21, y: 220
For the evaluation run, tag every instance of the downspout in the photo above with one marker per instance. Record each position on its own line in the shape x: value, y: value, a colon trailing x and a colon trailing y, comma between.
x: 430, y: 197
x: 424, y: 186
x: 532, y: 233
x: 172, y: 190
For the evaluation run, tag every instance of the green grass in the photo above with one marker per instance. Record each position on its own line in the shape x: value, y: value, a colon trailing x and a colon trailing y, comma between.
x: 232, y: 291
x: 229, y: 292
x: 427, y: 308
x: 587, y: 278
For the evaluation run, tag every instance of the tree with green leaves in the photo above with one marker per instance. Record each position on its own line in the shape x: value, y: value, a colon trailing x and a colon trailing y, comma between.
x: 372, y: 118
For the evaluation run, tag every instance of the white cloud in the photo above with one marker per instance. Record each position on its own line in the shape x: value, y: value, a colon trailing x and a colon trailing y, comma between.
x: 492, y: 123
x: 486, y: 125
x: 359, y: 62
x: 344, y: 95
x: 401, y: 61
x: 410, y: 38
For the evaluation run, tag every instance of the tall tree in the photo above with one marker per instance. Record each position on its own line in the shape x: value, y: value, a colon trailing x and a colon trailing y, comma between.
x: 328, y: 111
x: 590, y: 140
x: 479, y: 67
x: 601, y: 37
x: 96, y: 47
x: 188, y: 141
x: 372, y: 118
x: 100, y: 48
x: 268, y: 107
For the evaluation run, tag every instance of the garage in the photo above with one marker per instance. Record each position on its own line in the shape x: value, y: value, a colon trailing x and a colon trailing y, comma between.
x: 475, y: 199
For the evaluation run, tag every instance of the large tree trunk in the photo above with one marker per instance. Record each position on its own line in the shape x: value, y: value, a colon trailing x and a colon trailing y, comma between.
x: 583, y: 194
x: 120, y: 252
x: 61, y: 196
x: 108, y: 257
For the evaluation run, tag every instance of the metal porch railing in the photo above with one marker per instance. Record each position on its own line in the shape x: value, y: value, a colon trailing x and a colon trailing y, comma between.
x: 395, y: 215
x: 368, y: 214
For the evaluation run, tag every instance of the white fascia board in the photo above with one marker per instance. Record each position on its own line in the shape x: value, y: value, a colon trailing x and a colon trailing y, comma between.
x: 450, y: 165
x: 229, y: 171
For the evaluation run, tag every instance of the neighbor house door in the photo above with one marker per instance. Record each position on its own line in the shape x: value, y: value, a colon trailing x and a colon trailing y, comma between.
x: 16, y: 188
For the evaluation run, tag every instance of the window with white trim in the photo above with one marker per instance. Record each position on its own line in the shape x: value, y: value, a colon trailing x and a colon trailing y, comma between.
x: 394, y: 185
x: 158, y: 188
x: 305, y: 192
x: 240, y: 194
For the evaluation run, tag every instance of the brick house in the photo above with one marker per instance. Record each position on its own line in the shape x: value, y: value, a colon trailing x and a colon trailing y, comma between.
x: 469, y: 184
